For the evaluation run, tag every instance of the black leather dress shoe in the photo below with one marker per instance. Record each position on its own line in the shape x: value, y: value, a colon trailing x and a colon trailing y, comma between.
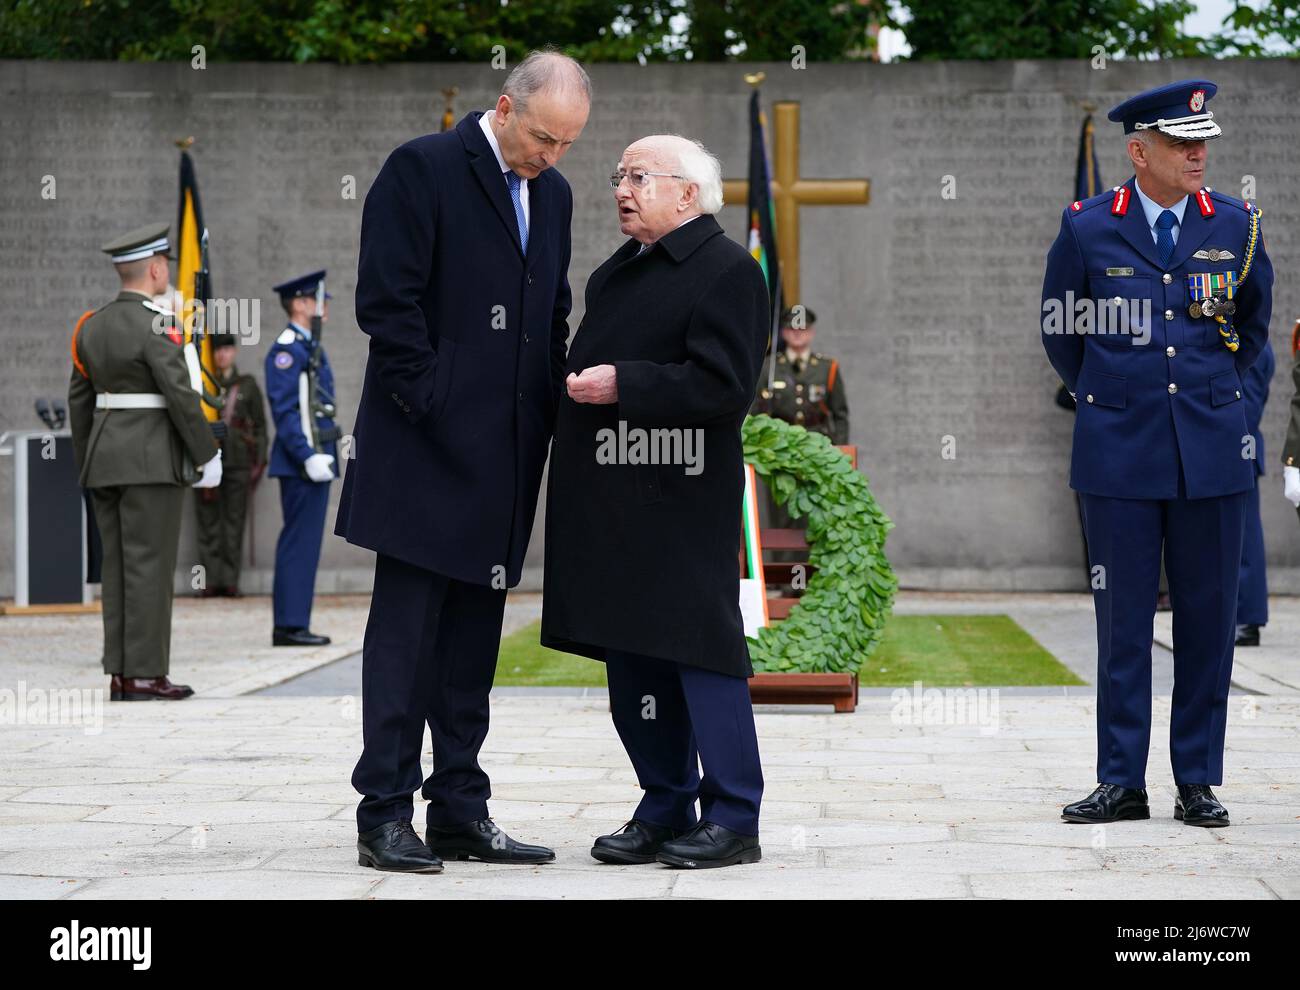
x: 708, y: 845
x: 283, y: 636
x: 395, y: 847
x: 1197, y: 805
x: 483, y: 840
x: 635, y: 842
x: 1247, y: 635
x: 1109, y: 803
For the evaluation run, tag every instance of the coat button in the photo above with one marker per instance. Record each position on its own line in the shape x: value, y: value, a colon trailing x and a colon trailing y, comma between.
x: 525, y: 338
x: 1117, y: 300
x: 521, y: 396
x: 1169, y: 314
x: 1169, y: 351
x: 1166, y: 278
x: 530, y: 278
x: 1089, y: 398
x: 1173, y: 389
x: 1239, y: 393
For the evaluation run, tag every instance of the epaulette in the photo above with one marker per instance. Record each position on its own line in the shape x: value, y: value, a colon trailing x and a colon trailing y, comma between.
x: 1225, y: 199
x: 1083, y: 205
x: 287, y: 336
x: 149, y: 304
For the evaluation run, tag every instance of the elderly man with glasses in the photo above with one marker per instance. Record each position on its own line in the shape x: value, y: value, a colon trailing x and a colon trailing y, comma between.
x: 644, y: 491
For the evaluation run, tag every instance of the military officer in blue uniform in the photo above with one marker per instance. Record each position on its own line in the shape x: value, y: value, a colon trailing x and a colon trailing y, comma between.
x: 300, y: 389
x: 1156, y: 302
x: 1252, y: 591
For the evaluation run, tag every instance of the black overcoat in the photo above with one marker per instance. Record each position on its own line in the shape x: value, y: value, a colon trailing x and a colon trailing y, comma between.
x: 643, y: 557
x: 467, y: 338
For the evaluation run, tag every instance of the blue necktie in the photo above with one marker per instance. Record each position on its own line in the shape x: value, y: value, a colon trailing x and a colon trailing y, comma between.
x: 1165, y: 236
x: 513, y: 181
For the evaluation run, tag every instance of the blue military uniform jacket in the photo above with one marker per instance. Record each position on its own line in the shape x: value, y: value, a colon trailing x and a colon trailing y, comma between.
x: 287, y: 391
x: 1168, y: 394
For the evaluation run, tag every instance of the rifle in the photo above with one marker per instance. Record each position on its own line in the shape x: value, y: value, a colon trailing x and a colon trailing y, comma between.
x: 320, y: 404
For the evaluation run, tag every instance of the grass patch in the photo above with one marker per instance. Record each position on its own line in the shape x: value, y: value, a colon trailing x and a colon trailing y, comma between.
x: 961, y: 651
x: 939, y: 650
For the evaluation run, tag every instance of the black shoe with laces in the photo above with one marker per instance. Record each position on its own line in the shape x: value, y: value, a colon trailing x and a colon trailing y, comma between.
x: 395, y: 847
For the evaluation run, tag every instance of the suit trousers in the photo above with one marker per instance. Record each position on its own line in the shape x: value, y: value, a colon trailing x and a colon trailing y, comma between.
x: 674, y: 718
x: 429, y: 656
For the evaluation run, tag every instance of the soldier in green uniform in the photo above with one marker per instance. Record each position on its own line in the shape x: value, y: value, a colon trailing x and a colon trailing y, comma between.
x: 220, y: 512
x: 139, y: 436
x: 807, y: 389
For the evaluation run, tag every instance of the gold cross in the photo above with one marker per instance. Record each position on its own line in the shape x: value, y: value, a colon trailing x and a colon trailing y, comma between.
x: 791, y: 191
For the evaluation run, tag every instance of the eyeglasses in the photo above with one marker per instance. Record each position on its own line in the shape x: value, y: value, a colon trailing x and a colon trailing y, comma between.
x: 638, y: 178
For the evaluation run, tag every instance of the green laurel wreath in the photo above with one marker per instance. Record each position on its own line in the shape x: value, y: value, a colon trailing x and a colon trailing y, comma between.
x: 841, y: 617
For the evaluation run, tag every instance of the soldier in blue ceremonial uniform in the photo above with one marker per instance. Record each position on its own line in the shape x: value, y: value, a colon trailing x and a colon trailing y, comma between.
x: 300, y: 389
x: 1156, y: 302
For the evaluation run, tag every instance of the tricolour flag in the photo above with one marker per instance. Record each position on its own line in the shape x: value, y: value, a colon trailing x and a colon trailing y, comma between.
x: 762, y: 211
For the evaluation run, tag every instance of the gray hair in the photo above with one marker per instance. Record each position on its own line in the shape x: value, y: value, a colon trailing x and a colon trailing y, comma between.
x: 695, y: 163
x: 545, y: 71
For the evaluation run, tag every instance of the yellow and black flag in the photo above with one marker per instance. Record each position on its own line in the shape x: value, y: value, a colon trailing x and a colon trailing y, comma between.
x: 194, y: 287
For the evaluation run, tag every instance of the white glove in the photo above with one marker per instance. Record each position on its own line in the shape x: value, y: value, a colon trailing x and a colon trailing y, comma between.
x: 1291, y: 485
x: 211, y: 476
x: 318, y: 467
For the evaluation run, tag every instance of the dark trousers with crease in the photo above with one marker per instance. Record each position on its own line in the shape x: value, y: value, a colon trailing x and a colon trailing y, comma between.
x: 1252, y: 596
x: 429, y: 657
x: 1201, y: 544
x: 672, y: 719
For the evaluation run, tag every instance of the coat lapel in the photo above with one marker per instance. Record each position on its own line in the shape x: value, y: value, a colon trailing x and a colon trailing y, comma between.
x: 484, y: 165
x: 539, y: 208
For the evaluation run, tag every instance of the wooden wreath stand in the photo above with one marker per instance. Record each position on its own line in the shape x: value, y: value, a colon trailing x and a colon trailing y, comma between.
x: 840, y: 690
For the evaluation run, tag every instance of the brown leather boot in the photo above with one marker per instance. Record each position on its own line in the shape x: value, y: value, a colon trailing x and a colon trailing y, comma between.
x: 147, y: 689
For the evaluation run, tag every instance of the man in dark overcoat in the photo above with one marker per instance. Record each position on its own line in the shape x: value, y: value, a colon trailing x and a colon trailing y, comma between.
x: 462, y: 287
x: 643, y: 507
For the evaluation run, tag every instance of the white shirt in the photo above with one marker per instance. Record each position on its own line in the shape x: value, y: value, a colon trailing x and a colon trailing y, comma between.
x: 1152, y: 209
x: 645, y: 247
x: 485, y: 122
x: 305, y: 331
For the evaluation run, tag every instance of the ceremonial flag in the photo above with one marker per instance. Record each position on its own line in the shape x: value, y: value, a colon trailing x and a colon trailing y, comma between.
x: 1087, y: 175
x: 193, y: 280
x: 762, y: 212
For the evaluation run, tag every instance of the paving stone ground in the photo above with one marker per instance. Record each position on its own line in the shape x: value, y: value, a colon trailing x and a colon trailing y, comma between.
x: 233, y: 794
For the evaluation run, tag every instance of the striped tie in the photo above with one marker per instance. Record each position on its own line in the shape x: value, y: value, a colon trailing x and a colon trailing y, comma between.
x: 513, y: 181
